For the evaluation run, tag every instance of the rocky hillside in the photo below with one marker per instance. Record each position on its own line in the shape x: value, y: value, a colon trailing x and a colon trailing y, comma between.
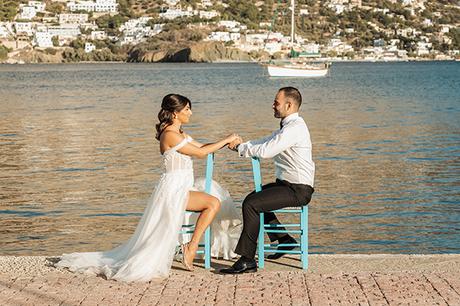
x: 196, y: 52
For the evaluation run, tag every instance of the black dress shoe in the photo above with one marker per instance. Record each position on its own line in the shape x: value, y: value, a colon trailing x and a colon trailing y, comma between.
x: 242, y: 265
x: 283, y: 248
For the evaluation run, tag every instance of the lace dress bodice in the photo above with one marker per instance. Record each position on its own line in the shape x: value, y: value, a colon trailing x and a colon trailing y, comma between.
x: 175, y: 161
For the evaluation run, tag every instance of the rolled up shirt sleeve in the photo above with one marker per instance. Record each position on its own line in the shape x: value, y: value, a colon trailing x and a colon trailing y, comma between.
x: 271, y: 146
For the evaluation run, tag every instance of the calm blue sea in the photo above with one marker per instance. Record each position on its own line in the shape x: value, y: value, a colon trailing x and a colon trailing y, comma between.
x: 78, y: 158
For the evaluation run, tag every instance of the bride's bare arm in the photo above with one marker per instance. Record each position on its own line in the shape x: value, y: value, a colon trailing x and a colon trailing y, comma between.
x: 195, y: 142
x: 171, y: 139
x: 201, y: 152
x: 199, y: 144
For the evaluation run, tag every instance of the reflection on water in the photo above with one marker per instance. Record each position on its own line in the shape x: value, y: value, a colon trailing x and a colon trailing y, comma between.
x: 78, y: 157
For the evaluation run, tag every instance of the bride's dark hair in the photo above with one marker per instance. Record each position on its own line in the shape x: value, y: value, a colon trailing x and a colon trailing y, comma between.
x: 171, y: 103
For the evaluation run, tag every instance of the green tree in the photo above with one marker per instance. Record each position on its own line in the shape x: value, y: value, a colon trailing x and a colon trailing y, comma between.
x: 384, y: 19
x: 77, y: 44
x: 350, y: 55
x: 55, y: 41
x: 111, y: 23
x: 51, y: 51
x: 266, y: 12
x: 454, y: 33
x: 8, y: 10
x: 331, y: 54
x: 243, y: 11
x: 427, y: 14
x: 3, y: 52
x: 55, y: 8
x: 193, y: 3
x: 407, y: 15
x: 124, y: 8
x: 326, y: 11
x: 71, y: 55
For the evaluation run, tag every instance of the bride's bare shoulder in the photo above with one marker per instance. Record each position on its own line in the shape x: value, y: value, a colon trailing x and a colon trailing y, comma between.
x: 169, y: 139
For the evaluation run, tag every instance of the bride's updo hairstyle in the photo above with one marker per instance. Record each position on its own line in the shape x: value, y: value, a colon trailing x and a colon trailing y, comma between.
x: 171, y: 103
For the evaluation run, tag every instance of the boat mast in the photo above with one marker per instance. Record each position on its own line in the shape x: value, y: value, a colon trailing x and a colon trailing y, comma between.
x: 292, y: 23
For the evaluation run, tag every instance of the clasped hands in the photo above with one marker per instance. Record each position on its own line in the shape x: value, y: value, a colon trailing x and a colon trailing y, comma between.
x: 233, y: 145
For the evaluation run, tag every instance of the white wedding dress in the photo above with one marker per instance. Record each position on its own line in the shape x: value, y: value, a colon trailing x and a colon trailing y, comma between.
x: 150, y: 251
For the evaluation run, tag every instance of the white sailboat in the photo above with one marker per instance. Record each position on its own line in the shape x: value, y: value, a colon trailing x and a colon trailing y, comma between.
x: 297, y: 69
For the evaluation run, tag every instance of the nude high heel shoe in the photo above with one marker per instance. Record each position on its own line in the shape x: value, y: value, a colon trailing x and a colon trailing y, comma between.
x: 184, y: 248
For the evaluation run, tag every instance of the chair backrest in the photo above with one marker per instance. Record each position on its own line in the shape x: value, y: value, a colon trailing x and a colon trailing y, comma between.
x: 256, y: 173
x: 209, y: 170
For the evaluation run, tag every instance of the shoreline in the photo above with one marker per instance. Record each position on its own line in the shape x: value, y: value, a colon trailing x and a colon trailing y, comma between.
x: 331, y: 280
x: 234, y: 61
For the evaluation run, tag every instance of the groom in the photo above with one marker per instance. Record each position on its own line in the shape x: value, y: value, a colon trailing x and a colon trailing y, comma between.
x: 290, y: 147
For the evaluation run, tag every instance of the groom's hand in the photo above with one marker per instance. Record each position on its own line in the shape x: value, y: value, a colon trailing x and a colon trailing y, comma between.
x: 234, y: 144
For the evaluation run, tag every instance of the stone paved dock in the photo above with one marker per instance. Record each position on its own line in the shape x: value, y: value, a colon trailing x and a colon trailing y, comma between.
x: 330, y: 280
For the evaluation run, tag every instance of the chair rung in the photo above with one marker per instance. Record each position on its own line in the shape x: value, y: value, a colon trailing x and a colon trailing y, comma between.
x: 186, y: 232
x: 281, y: 251
x: 200, y: 252
x: 281, y: 244
x: 284, y: 231
x: 280, y: 225
x: 287, y: 211
x: 188, y: 225
x: 201, y: 245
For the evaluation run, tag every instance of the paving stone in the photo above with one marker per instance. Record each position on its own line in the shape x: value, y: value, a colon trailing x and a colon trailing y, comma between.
x: 444, y: 289
x: 266, y: 287
x: 15, y: 292
x: 371, y: 290
x: 411, y: 288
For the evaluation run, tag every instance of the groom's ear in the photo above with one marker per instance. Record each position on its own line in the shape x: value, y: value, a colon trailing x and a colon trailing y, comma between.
x: 293, y: 105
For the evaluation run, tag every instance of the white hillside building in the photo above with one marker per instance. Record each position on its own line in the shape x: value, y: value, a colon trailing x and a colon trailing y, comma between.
x: 108, y: 6
x: 73, y: 18
x: 43, y: 39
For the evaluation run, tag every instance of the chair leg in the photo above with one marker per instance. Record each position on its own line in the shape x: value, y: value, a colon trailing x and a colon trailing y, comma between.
x: 207, y: 248
x: 260, y: 243
x: 304, y: 236
x: 207, y: 233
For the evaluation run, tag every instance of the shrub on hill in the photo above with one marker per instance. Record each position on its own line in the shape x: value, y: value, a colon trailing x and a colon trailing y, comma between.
x: 8, y: 9
x: 3, y: 52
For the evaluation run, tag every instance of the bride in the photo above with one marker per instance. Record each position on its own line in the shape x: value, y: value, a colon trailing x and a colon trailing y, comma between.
x: 150, y: 250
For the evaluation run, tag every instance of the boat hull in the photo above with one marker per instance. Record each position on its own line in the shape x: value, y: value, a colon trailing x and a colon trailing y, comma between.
x: 278, y: 71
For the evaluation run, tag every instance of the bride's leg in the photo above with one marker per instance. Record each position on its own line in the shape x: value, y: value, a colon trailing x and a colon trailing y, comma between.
x: 208, y: 206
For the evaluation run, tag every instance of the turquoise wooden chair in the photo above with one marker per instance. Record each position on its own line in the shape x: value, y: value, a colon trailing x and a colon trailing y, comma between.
x: 298, y: 228
x: 205, y: 248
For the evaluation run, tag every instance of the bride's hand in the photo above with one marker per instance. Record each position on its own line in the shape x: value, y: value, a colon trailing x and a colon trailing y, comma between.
x: 232, y: 137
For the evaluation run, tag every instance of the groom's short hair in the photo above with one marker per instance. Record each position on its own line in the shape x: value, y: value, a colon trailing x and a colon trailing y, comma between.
x: 293, y: 94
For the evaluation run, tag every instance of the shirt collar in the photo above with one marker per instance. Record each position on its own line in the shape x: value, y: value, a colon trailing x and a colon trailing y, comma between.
x: 289, y: 118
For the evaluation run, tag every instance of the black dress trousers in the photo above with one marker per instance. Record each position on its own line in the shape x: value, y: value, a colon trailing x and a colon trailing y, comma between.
x: 273, y: 196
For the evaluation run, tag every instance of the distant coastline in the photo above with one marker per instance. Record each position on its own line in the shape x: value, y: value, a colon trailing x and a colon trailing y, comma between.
x: 331, y: 60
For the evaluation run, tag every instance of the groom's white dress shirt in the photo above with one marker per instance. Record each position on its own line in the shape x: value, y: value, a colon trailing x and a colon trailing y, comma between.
x: 290, y: 147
